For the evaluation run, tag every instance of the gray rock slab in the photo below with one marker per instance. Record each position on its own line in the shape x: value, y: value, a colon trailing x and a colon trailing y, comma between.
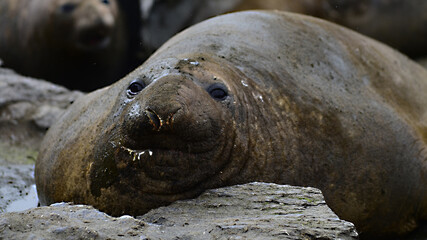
x: 65, y: 221
x: 28, y: 107
x: 250, y: 211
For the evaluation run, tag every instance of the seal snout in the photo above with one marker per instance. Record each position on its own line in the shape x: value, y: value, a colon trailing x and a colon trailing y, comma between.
x: 95, y: 28
x: 159, y: 122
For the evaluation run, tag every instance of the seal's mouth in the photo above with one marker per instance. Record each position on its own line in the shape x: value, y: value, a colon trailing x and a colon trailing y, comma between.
x: 155, y: 157
x: 138, y: 154
x: 160, y: 164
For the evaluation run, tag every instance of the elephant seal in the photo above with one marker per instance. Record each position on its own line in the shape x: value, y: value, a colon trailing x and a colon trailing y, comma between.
x: 398, y: 23
x: 80, y: 44
x: 252, y: 96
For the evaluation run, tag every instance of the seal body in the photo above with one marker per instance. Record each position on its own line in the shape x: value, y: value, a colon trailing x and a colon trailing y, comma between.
x: 80, y: 44
x: 252, y: 96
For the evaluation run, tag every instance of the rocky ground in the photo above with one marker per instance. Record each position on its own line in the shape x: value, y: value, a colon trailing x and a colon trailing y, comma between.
x: 250, y: 211
x: 27, y: 109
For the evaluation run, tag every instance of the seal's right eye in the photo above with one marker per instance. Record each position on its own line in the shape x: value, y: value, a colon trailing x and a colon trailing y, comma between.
x: 218, y: 91
x: 135, y: 87
x: 68, y: 7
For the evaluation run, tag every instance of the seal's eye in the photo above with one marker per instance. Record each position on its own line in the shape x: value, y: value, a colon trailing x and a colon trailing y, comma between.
x: 135, y: 87
x: 68, y: 7
x: 218, y: 91
x: 105, y: 1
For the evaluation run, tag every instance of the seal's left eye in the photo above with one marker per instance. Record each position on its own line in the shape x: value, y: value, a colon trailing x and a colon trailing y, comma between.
x: 218, y: 91
x: 105, y: 1
x: 135, y: 87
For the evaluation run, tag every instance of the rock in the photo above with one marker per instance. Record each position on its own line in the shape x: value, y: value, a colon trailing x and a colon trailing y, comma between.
x: 254, y: 210
x: 27, y: 109
x: 64, y: 221
x: 250, y: 211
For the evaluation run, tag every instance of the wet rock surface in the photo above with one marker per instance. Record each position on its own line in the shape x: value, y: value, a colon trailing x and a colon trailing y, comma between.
x: 250, y: 211
x: 17, y: 188
x: 27, y: 109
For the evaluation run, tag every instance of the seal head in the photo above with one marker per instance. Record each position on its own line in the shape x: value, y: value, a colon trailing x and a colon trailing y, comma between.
x: 88, y: 25
x: 80, y: 44
x: 170, y: 137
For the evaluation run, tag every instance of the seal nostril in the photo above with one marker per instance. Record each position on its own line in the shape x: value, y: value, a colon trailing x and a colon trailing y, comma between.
x: 154, y: 119
x: 172, y: 118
